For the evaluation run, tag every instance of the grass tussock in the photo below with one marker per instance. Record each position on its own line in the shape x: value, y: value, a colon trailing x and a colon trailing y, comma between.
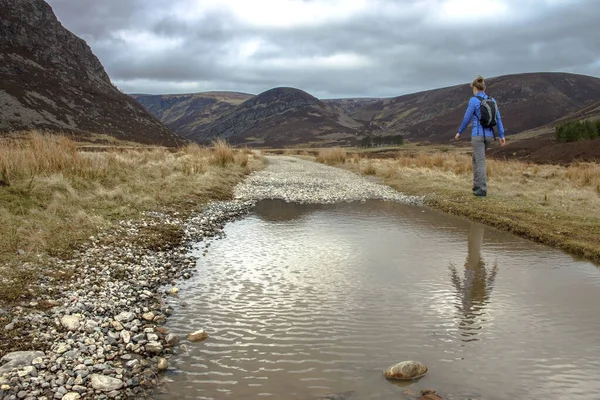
x: 551, y: 204
x: 223, y: 153
x: 53, y: 196
x: 369, y: 169
x: 332, y: 156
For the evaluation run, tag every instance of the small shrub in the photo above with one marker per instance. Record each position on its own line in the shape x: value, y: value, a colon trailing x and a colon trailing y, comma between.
x: 332, y: 156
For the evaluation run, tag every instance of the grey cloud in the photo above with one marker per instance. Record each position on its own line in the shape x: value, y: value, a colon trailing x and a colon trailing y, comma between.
x: 406, y: 50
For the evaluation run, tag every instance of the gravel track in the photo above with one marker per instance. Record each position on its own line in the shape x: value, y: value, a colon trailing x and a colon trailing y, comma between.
x: 297, y: 180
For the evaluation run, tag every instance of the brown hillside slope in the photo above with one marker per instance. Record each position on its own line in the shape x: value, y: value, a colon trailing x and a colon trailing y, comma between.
x: 50, y: 79
x: 188, y: 113
x: 526, y: 101
x: 282, y: 117
x: 351, y: 105
x: 544, y: 148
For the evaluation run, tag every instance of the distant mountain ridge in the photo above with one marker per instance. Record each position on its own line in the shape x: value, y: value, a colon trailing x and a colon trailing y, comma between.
x: 189, y: 113
x: 293, y: 117
x: 526, y: 101
x: 51, y: 80
x: 281, y: 116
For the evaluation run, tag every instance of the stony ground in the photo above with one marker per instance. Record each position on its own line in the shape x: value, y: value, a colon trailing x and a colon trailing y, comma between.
x: 296, y: 180
x: 101, y: 335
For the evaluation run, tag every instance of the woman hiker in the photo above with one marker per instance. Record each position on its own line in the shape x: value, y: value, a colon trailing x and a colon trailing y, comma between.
x: 482, y: 131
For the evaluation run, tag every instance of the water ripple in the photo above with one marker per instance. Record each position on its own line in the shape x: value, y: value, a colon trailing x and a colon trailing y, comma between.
x: 318, y: 300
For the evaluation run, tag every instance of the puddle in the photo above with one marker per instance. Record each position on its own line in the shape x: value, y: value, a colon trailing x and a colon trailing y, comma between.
x: 303, y: 301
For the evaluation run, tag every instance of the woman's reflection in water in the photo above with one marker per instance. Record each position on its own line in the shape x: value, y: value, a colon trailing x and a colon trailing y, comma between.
x: 474, y: 289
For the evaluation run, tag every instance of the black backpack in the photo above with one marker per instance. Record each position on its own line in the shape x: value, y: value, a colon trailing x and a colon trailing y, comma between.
x: 488, y: 112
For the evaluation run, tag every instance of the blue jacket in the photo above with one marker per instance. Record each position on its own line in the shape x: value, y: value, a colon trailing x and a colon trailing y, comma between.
x: 473, y: 114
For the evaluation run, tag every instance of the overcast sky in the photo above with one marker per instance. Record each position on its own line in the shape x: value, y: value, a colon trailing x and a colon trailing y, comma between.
x: 331, y: 48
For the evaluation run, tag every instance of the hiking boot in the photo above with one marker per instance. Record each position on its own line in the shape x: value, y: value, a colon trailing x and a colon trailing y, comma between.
x: 479, y: 193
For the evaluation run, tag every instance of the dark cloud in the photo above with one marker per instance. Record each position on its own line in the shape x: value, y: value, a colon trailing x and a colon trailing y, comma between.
x: 386, y: 48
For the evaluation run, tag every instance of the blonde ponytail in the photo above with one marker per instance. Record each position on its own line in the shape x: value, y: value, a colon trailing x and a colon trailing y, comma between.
x: 479, y: 83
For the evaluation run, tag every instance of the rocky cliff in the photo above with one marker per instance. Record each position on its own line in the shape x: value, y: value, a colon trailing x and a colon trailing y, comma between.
x: 50, y: 79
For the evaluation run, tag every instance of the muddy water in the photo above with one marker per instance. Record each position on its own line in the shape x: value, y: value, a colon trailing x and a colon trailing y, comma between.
x: 303, y: 301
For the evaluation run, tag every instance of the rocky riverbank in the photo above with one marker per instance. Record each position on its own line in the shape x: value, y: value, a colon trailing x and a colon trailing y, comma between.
x: 101, y: 335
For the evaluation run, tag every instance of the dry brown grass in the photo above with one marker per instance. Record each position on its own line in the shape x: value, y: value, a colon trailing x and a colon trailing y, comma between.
x: 55, y: 196
x: 556, y: 205
x: 223, y: 153
x: 332, y: 156
x: 369, y: 169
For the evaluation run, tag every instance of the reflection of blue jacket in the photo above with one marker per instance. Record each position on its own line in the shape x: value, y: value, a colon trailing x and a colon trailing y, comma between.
x: 473, y: 114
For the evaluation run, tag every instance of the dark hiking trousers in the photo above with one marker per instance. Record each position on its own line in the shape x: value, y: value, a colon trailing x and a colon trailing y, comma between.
x: 479, y: 144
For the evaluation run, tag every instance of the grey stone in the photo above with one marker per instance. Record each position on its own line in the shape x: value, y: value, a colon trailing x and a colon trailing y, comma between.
x: 139, y: 337
x: 171, y: 339
x: 152, y: 337
x: 82, y: 373
x: 38, y: 362
x: 27, y: 371
x: 72, y: 396
x: 79, y: 388
x: 91, y: 326
x: 70, y: 322
x: 125, y: 316
x: 163, y: 364
x: 149, y: 316
x: 18, y: 359
x: 126, y: 336
x: 71, y: 354
x: 117, y: 325
x: 154, y: 347
x: 105, y: 383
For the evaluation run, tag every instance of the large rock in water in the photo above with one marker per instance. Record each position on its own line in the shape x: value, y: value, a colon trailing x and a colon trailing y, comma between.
x: 406, y: 370
x: 50, y: 79
x: 429, y: 394
x: 197, y: 336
